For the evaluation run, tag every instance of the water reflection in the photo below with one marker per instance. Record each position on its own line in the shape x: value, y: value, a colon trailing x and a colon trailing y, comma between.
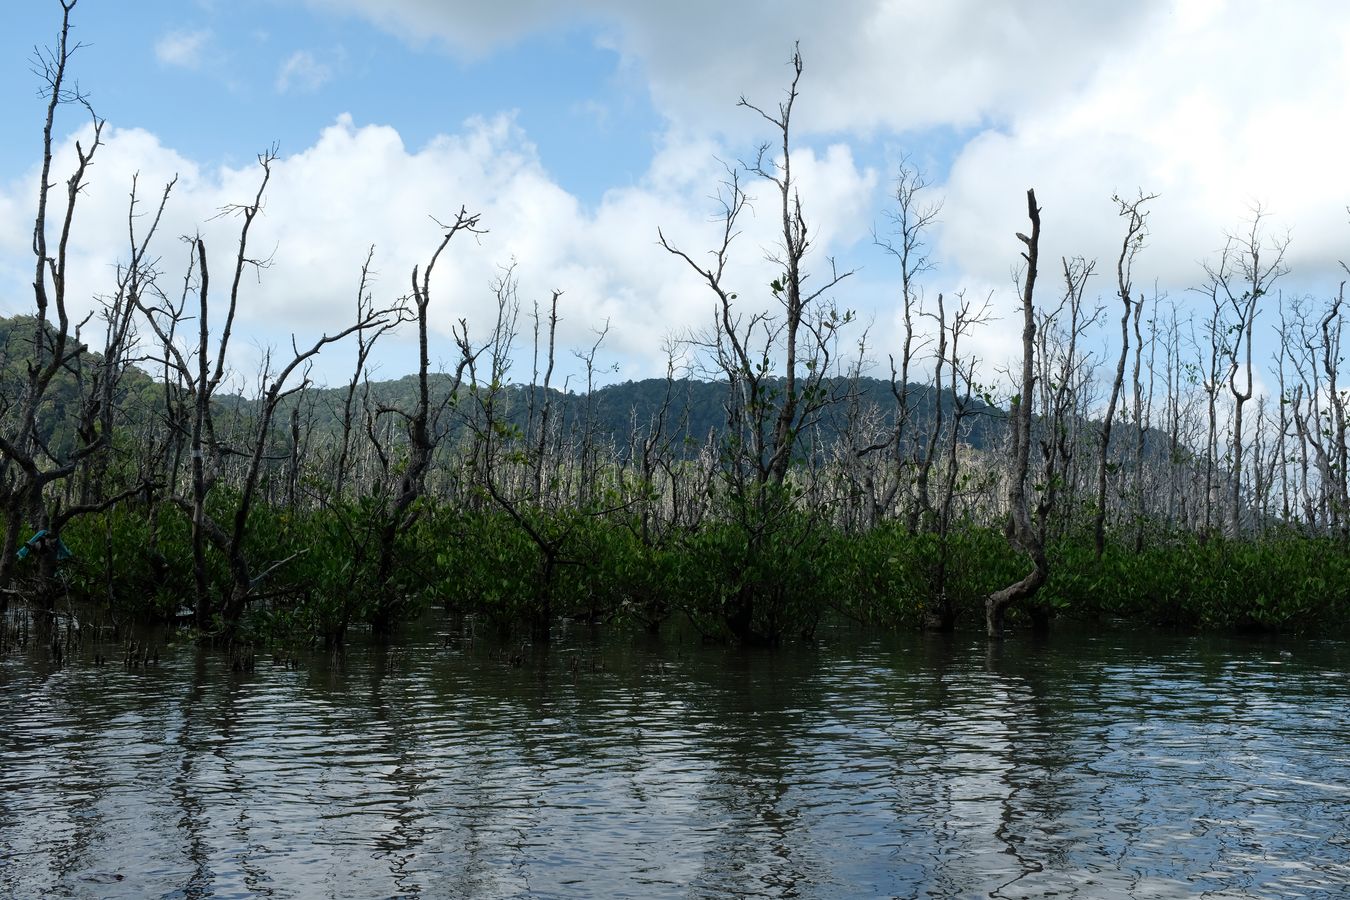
x: 1093, y: 766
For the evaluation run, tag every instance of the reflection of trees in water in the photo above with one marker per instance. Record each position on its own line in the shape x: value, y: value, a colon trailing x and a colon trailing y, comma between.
x: 398, y: 740
x: 1073, y: 818
x: 544, y: 797
x: 439, y: 739
x: 629, y: 772
x: 1031, y: 758
x: 926, y: 706
x: 927, y: 764
x: 1202, y: 757
x: 1138, y: 767
x: 45, y: 737
x: 968, y: 757
x: 87, y: 793
x: 496, y: 794
x: 225, y: 796
x: 756, y: 712
x: 194, y: 820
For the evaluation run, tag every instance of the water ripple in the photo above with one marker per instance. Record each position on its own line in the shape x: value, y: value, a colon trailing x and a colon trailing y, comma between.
x: 1093, y: 766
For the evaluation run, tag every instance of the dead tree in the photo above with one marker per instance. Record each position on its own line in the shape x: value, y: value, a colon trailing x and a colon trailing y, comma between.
x: 940, y: 614
x: 1245, y: 272
x: 1021, y: 533
x: 28, y: 465
x: 1336, y: 425
x: 496, y: 457
x: 1316, y: 408
x: 365, y: 344
x: 1142, y: 415
x: 1135, y: 232
x: 97, y: 380
x: 424, y: 433
x: 539, y: 419
x: 768, y: 408
x: 911, y: 219
x: 200, y: 371
x: 1066, y: 373
x: 772, y: 409
x: 921, y: 511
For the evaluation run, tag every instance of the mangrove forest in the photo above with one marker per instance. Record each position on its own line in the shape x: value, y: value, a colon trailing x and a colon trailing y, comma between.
x: 786, y: 471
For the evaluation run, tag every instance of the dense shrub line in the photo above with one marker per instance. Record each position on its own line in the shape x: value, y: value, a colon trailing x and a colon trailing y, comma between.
x: 479, y: 562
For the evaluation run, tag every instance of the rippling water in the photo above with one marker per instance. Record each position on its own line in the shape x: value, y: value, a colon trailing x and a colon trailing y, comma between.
x: 1090, y: 765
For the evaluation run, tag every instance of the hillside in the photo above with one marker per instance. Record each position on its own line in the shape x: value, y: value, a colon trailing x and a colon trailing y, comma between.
x: 696, y: 409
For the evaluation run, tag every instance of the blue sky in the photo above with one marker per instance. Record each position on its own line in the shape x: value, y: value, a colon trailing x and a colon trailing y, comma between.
x: 212, y: 80
x: 579, y: 129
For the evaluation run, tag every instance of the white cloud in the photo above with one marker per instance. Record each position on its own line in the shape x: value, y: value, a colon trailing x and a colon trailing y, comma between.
x: 893, y: 64
x: 361, y: 185
x: 185, y: 49
x: 1214, y: 105
x: 302, y: 72
x: 1215, y: 115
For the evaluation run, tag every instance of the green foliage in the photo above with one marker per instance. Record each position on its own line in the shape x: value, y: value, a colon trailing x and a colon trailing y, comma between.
x: 138, y: 563
x: 474, y: 561
x: 58, y: 413
x: 773, y: 572
x: 1283, y: 581
x: 752, y: 586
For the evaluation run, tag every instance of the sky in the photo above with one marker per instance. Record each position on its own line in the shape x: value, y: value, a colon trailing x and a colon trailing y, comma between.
x: 577, y: 130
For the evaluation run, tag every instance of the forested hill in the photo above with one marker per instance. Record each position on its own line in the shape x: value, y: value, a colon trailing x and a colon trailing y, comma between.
x: 693, y: 410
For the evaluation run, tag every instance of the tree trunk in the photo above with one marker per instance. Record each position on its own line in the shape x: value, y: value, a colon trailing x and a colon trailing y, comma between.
x: 1021, y: 534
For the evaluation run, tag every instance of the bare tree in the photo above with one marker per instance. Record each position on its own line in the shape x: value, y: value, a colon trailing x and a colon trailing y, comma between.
x: 508, y: 474
x: 1066, y: 373
x: 1021, y: 534
x: 941, y: 610
x: 365, y: 344
x: 1245, y: 272
x: 768, y: 412
x: 910, y: 220
x: 423, y: 436
x: 1331, y: 327
x: 28, y: 464
x: 745, y: 348
x: 1135, y: 232
x: 199, y: 372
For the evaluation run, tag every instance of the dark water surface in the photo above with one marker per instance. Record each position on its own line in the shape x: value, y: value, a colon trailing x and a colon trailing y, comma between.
x: 1090, y: 765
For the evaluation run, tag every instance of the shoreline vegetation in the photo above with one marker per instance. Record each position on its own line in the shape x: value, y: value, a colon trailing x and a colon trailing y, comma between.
x: 765, y: 483
x: 479, y: 563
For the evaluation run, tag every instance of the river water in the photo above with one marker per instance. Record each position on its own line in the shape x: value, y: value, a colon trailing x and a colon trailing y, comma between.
x: 1092, y: 764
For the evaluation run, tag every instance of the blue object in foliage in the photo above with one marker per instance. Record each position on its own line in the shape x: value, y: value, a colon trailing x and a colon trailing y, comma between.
x: 62, y: 551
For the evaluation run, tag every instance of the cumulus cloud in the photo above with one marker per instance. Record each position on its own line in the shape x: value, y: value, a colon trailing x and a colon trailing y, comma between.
x: 897, y: 65
x: 184, y: 49
x: 1216, y: 106
x: 361, y: 185
x: 1214, y: 140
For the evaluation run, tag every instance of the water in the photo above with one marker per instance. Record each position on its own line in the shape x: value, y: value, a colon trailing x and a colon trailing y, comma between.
x: 1091, y: 765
